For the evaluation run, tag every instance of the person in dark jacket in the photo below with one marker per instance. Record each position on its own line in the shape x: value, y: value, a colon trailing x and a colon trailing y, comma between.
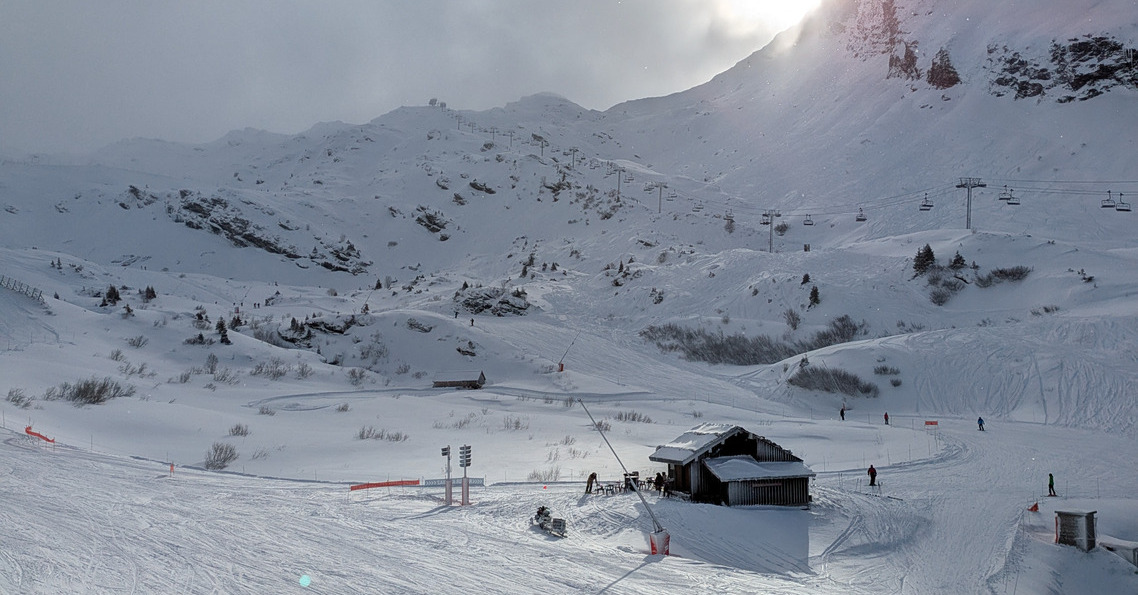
x: 843, y: 413
x: 980, y: 422
x: 886, y: 418
x: 1050, y: 484
x: 592, y: 481
x: 872, y: 476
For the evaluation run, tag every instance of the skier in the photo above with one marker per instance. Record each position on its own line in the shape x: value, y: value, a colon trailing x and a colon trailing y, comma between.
x: 1050, y: 485
x: 658, y: 483
x: 592, y: 481
x: 886, y: 418
x: 872, y: 476
x: 843, y: 413
x: 980, y: 422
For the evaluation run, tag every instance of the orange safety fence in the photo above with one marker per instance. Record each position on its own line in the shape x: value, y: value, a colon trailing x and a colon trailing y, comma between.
x: 385, y: 484
x: 29, y: 432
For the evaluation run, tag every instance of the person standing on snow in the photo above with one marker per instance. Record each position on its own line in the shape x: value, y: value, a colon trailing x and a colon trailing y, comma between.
x: 843, y: 413
x: 886, y: 418
x: 872, y: 476
x: 1050, y: 484
x: 980, y: 422
x: 591, y: 482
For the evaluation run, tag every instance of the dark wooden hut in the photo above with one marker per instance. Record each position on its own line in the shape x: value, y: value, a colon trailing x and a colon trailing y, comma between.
x: 726, y: 464
x: 460, y: 379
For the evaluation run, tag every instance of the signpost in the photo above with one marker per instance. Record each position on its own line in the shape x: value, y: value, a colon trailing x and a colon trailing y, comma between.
x: 464, y: 462
x: 446, y: 453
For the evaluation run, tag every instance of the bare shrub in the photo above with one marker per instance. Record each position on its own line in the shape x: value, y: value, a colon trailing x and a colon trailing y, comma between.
x: 357, y: 376
x: 17, y: 397
x: 568, y: 440
x: 737, y: 349
x: 137, y: 342
x: 511, y: 423
x: 343, y: 408
x: 91, y: 391
x: 274, y: 369
x: 226, y: 376
x: 832, y: 381
x: 792, y: 318
x: 895, y: 382
x: 117, y: 356
x: 219, y: 456
x: 403, y: 368
x: 239, y: 430
x: 940, y: 296
x: 182, y: 378
x: 266, y: 410
x: 370, y: 433
x: 303, y: 370
x: 210, y: 363
x: 545, y: 475
x: 603, y: 426
x: 632, y: 416
x: 886, y: 370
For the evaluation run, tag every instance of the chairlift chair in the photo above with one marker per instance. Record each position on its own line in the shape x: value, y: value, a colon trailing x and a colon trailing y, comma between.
x: 1121, y: 206
x: 1108, y: 202
x: 927, y: 205
x: 766, y: 220
x: 860, y: 215
x: 1012, y: 199
x: 1006, y: 194
x: 808, y: 221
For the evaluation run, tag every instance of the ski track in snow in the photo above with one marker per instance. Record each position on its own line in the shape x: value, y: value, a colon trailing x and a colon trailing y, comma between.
x: 88, y: 522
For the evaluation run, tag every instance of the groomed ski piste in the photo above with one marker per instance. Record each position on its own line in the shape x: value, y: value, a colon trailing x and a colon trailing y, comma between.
x: 88, y: 522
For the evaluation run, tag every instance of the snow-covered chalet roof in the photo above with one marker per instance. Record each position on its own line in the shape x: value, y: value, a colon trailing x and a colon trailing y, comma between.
x: 744, y: 468
x: 693, y: 443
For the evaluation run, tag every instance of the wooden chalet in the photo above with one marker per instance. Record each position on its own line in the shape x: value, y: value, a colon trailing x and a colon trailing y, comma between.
x: 460, y: 379
x: 726, y: 464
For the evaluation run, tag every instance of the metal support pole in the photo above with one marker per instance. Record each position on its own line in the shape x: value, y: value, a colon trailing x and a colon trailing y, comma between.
x: 970, y: 183
x: 655, y: 521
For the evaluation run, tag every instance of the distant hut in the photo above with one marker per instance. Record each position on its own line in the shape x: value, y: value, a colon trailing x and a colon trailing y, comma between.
x: 726, y: 464
x: 460, y: 379
x: 1075, y: 528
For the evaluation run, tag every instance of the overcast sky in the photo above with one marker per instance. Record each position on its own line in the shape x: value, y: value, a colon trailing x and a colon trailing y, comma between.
x: 78, y: 74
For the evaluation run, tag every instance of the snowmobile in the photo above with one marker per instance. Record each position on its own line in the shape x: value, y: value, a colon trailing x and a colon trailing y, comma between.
x: 544, y: 519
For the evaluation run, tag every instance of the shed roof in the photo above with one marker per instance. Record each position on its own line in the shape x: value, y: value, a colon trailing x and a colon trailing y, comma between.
x: 745, y: 468
x: 693, y: 443
x: 459, y: 376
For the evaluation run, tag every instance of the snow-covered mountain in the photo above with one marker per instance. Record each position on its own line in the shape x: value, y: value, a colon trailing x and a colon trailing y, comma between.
x: 708, y: 252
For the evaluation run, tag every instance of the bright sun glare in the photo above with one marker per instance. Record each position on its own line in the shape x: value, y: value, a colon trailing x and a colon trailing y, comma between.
x: 747, y: 16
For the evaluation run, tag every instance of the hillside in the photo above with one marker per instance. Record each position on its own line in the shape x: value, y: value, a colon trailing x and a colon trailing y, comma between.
x: 665, y: 251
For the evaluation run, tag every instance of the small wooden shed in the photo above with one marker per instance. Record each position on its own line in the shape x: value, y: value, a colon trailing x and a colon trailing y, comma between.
x: 460, y: 379
x: 726, y: 464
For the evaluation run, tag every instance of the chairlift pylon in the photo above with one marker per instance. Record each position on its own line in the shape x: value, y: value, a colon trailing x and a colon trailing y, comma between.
x: 808, y: 221
x: 927, y: 205
x: 860, y: 215
x: 1108, y: 202
x: 1121, y: 206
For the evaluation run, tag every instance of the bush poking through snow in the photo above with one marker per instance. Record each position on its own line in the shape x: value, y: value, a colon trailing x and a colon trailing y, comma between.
x: 219, y: 456
x: 239, y: 430
x: 545, y: 475
x: 274, y: 369
x: 17, y: 397
x: 832, y: 381
x: 92, y: 391
x: 370, y: 433
x: 740, y: 350
x: 266, y: 410
x: 632, y: 416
